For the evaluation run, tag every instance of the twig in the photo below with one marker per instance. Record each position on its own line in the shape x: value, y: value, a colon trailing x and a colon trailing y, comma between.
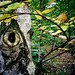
x: 55, y: 56
x: 61, y: 46
x: 56, y: 25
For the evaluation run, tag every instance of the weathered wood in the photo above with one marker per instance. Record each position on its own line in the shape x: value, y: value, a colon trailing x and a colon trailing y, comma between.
x: 24, y: 22
x: 15, y: 56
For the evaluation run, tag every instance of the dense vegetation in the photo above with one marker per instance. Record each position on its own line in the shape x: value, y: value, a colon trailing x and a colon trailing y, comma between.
x: 53, y: 29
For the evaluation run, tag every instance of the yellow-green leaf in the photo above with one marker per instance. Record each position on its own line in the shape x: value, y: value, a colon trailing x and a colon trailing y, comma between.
x: 47, y: 10
x: 1, y: 10
x: 67, y: 23
x: 71, y: 25
x: 43, y: 27
x: 14, y: 17
x: 71, y: 22
x: 72, y: 42
x: 53, y: 19
x: 64, y: 27
x: 14, y: 6
x: 56, y: 33
x: 27, y: 0
x: 48, y: 17
x: 4, y: 3
x: 63, y: 49
x: 58, y: 22
x: 38, y: 14
x: 4, y: 16
x: 73, y: 18
x: 7, y: 20
x: 51, y: 31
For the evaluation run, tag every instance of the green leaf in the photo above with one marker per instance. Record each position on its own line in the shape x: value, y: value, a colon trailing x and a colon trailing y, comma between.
x: 35, y: 52
x: 35, y: 59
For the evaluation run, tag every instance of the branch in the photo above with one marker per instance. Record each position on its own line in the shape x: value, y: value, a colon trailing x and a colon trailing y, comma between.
x: 55, y: 56
x: 61, y: 46
x: 56, y: 24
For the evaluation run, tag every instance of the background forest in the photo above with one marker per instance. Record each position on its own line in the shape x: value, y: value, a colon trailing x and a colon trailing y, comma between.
x: 52, y: 35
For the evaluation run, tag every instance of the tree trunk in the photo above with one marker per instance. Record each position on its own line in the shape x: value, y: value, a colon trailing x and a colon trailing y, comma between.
x: 15, y: 49
x: 24, y: 22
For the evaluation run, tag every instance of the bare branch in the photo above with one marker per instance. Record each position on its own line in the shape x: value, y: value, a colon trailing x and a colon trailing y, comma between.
x: 61, y: 46
x: 55, y: 56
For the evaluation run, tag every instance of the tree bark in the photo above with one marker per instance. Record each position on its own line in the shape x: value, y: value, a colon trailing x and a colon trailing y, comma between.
x: 24, y: 22
x: 13, y: 60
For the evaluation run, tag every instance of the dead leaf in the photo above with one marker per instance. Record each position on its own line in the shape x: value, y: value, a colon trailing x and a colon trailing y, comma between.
x: 62, y: 37
x: 62, y: 17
